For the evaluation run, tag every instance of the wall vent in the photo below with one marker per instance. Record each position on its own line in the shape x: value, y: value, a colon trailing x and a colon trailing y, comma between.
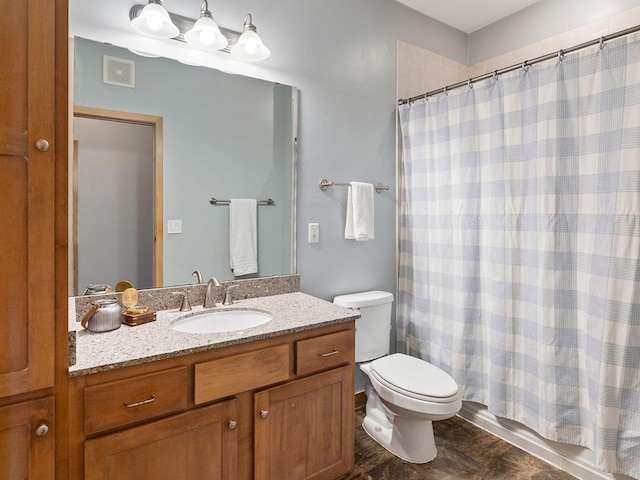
x: 118, y: 71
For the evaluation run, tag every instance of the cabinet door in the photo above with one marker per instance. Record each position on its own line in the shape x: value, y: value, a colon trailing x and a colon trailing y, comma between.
x: 304, y: 429
x: 27, y: 448
x: 197, y: 445
x: 26, y: 195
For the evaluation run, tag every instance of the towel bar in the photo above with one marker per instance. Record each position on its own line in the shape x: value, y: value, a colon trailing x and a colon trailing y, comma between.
x: 216, y: 202
x: 324, y: 184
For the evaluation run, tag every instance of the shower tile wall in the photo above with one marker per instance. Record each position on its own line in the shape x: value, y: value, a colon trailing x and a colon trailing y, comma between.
x: 420, y: 70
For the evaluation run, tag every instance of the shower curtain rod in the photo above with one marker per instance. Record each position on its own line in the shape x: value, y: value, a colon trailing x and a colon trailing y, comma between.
x: 527, y: 63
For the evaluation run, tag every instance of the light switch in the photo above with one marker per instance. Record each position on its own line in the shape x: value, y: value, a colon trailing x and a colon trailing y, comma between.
x: 314, y: 232
x: 174, y: 226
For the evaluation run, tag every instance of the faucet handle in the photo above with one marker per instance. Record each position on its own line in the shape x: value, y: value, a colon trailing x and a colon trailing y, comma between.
x: 185, y: 306
x: 227, y: 296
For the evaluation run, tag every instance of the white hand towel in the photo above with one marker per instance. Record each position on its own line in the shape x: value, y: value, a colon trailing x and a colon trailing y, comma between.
x: 359, y: 224
x: 243, y: 236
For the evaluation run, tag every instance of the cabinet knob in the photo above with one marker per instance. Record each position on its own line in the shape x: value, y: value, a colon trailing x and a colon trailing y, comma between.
x: 233, y: 424
x: 42, y: 145
x: 264, y: 413
x: 42, y: 430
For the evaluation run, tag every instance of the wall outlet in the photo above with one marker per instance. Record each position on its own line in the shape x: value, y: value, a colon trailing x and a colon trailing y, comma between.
x: 174, y: 226
x: 314, y: 232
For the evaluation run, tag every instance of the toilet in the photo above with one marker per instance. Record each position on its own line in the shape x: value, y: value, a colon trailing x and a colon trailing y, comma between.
x: 404, y: 394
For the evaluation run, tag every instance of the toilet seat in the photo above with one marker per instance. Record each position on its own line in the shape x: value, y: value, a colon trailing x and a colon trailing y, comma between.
x: 414, y: 378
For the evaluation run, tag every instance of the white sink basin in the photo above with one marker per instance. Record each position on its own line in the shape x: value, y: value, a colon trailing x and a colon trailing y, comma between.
x: 221, y: 321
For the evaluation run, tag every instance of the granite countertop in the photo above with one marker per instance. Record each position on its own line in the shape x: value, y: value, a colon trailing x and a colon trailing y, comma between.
x: 126, y: 346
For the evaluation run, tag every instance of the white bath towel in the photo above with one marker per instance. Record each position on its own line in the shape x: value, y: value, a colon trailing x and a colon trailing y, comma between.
x: 243, y: 236
x: 359, y: 224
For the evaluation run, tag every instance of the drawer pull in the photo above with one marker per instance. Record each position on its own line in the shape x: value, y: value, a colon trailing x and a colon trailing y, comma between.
x: 333, y: 352
x: 233, y: 425
x: 264, y: 414
x: 143, y: 402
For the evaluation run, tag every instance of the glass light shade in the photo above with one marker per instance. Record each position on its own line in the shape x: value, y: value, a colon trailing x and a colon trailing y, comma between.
x: 250, y: 47
x: 143, y: 53
x: 154, y: 21
x: 206, y: 35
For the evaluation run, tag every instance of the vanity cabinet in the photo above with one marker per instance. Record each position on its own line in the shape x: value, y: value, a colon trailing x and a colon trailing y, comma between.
x: 196, y: 445
x: 301, y: 430
x: 281, y: 407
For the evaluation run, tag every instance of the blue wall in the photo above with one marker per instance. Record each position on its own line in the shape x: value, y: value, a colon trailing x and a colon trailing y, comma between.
x: 342, y: 56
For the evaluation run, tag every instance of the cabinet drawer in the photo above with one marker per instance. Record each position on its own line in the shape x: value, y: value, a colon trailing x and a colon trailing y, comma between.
x: 319, y: 353
x: 124, y: 402
x: 239, y: 373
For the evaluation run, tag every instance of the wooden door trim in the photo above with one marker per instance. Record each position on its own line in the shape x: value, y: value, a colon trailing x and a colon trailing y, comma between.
x: 157, y: 123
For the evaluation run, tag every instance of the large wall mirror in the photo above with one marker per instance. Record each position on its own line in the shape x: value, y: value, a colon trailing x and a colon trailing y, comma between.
x: 222, y: 135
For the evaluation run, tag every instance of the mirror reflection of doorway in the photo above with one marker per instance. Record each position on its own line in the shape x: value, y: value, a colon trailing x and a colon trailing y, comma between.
x: 116, y: 199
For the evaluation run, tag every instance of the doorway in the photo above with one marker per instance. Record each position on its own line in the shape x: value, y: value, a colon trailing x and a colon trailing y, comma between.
x: 116, y: 199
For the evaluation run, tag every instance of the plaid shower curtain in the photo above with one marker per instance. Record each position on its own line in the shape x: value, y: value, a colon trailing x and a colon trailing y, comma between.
x: 519, y: 268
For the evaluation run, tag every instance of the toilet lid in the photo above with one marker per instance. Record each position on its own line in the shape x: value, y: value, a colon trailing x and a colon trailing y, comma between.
x: 414, y: 378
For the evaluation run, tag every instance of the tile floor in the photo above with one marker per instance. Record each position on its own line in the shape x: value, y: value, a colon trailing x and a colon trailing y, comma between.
x: 464, y: 452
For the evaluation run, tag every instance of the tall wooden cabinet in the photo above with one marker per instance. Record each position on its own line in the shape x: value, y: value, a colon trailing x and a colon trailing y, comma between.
x: 32, y: 101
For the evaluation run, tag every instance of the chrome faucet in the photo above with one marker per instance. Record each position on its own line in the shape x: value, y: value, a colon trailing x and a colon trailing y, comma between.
x: 209, y: 300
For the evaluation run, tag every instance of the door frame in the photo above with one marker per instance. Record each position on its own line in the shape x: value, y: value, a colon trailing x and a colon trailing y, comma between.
x: 156, y: 123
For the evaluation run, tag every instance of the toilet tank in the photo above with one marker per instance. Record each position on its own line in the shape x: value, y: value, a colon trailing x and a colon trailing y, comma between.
x: 374, y: 325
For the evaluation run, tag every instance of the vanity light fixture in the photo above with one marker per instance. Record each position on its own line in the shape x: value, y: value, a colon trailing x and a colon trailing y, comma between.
x: 154, y: 20
x: 250, y: 46
x: 205, y: 33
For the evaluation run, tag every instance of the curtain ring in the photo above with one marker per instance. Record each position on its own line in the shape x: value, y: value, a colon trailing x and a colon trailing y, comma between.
x: 525, y: 67
x: 601, y: 43
x: 444, y: 90
x: 560, y: 55
x: 495, y: 75
x: 470, y: 84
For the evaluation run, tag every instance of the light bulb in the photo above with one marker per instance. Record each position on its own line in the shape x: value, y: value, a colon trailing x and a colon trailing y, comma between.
x: 251, y: 48
x: 154, y: 22
x: 207, y: 37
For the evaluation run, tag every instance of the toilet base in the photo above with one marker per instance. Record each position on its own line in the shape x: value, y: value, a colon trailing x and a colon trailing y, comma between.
x: 407, y: 438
